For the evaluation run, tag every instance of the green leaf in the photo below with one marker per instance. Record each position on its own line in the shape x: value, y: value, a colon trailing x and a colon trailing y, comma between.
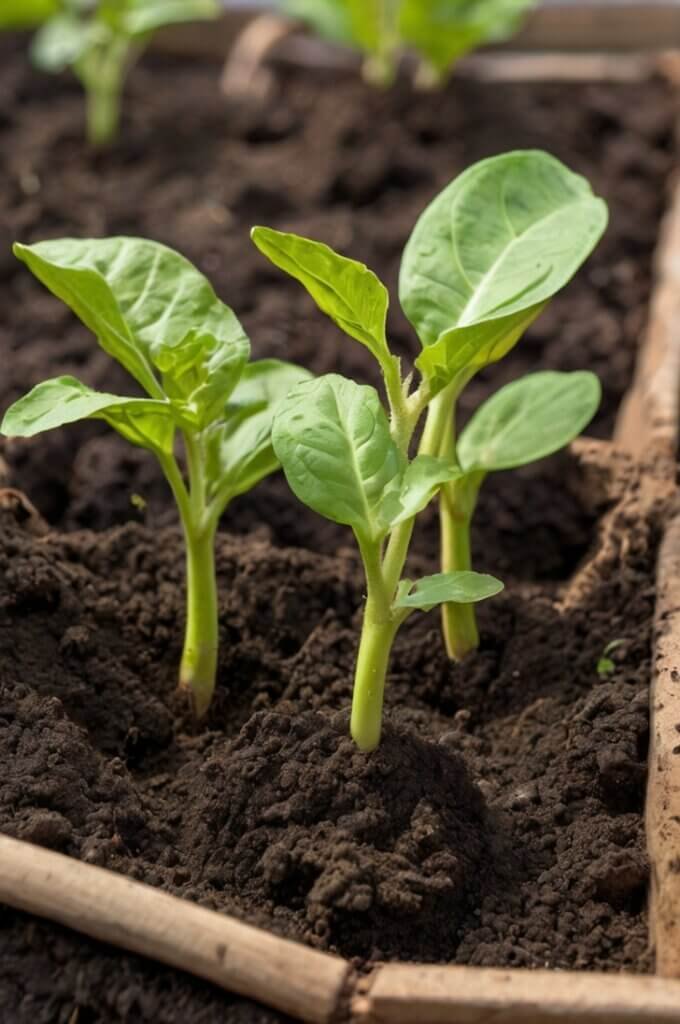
x: 499, y: 242
x: 333, y: 440
x: 529, y: 419
x: 26, y: 13
x: 331, y: 19
x: 442, y: 30
x: 63, y: 40
x: 62, y: 400
x: 449, y: 588
x: 346, y: 291
x: 461, y: 352
x: 150, y: 309
x: 239, y: 448
x: 414, y: 491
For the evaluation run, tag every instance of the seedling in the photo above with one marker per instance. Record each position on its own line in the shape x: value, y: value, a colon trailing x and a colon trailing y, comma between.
x: 606, y: 666
x: 482, y: 263
x: 439, y: 31
x: 153, y: 312
x: 100, y: 40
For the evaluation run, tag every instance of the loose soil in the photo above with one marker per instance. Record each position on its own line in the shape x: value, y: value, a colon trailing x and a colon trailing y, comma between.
x: 500, y: 822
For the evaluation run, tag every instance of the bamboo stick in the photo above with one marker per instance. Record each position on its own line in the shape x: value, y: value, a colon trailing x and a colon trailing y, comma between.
x: 663, y: 787
x: 410, y: 994
x: 648, y: 420
x: 302, y: 982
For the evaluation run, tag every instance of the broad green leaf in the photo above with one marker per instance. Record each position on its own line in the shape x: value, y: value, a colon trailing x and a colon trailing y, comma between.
x: 529, y: 419
x: 346, y: 291
x: 61, y: 400
x: 461, y: 352
x: 63, y: 40
x: 332, y: 438
x: 420, y: 481
x: 239, y: 448
x: 443, y: 30
x: 463, y: 587
x: 499, y: 241
x: 26, y: 13
x: 150, y: 309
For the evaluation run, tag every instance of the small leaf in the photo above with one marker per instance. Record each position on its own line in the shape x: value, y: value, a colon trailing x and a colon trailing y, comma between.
x: 461, y: 352
x: 333, y: 440
x: 62, y: 400
x: 529, y: 419
x: 346, y: 291
x: 63, y: 40
x: 150, y: 309
x: 443, y: 32
x: 419, y: 483
x: 239, y: 448
x: 450, y: 588
x: 499, y: 242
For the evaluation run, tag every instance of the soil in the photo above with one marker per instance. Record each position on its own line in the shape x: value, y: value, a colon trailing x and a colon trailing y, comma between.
x: 500, y: 822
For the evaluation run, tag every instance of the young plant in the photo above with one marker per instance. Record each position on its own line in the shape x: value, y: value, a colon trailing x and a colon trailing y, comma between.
x: 100, y: 40
x: 153, y: 312
x: 482, y: 263
x: 439, y: 31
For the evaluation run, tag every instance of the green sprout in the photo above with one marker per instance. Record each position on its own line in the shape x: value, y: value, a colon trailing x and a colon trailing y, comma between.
x: 440, y: 32
x: 99, y: 40
x: 154, y: 313
x: 605, y: 665
x: 483, y: 261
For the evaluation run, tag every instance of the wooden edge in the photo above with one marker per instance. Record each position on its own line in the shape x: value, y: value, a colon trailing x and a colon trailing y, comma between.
x: 647, y: 423
x: 663, y: 787
x: 411, y: 994
x: 288, y: 976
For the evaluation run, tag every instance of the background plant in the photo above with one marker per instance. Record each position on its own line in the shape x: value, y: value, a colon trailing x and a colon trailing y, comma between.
x: 99, y: 40
x: 440, y: 32
x: 480, y: 266
x: 153, y: 312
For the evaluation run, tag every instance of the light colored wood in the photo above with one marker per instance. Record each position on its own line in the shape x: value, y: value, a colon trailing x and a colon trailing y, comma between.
x: 411, y: 994
x: 648, y: 420
x: 663, y: 788
x: 285, y: 975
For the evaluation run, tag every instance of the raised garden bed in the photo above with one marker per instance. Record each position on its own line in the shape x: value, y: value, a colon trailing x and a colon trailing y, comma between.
x: 501, y: 823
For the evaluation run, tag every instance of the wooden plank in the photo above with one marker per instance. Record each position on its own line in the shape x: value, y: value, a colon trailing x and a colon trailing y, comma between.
x: 647, y: 424
x: 412, y: 994
x: 285, y: 975
x: 663, y: 788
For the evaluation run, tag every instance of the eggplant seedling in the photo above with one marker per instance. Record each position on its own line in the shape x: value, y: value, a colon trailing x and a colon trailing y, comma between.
x: 100, y: 40
x: 482, y: 263
x: 154, y: 313
x: 440, y: 32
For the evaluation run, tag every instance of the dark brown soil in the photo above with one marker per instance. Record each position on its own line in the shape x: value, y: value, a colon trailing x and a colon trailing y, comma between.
x: 500, y: 823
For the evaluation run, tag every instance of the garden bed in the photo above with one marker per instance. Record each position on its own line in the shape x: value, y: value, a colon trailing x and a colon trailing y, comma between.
x: 501, y: 822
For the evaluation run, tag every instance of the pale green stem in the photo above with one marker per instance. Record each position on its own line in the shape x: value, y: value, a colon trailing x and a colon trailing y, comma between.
x: 103, y: 73
x: 459, y: 622
x: 198, y: 667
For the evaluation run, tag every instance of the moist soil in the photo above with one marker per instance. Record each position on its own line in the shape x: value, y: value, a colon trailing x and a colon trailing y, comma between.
x: 500, y: 822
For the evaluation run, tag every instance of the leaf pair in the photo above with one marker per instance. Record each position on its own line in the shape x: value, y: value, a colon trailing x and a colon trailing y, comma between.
x: 440, y: 31
x: 153, y: 312
x: 479, y: 267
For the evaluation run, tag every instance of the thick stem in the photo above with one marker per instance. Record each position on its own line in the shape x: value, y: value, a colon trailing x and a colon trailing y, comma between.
x: 459, y: 622
x: 201, y: 639
x: 103, y: 114
x: 102, y: 73
x: 373, y: 659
